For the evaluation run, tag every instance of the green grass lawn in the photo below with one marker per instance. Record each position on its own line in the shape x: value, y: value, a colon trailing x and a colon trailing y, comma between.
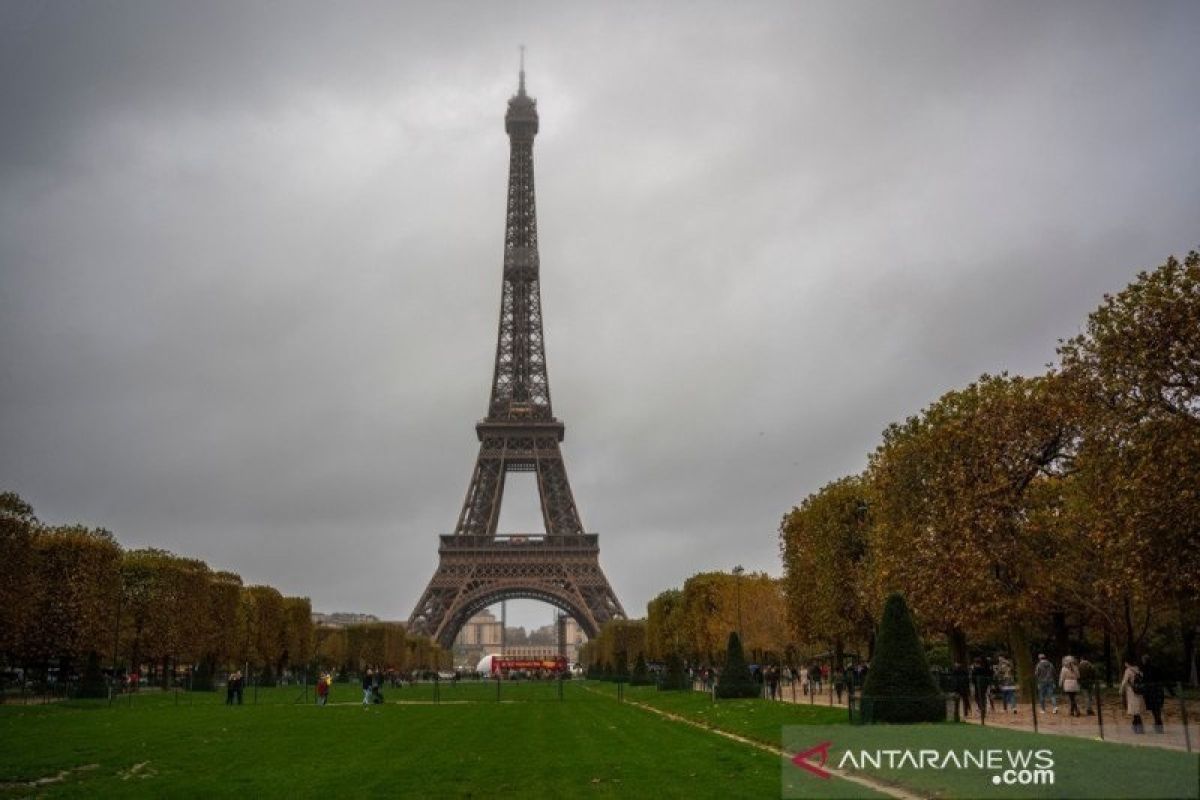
x: 469, y: 745
x: 760, y: 720
x: 1084, y: 767
x: 586, y: 745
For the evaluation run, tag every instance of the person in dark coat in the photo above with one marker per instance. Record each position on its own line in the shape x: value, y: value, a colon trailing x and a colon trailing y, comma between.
x: 981, y: 681
x: 1154, y: 692
x: 960, y: 681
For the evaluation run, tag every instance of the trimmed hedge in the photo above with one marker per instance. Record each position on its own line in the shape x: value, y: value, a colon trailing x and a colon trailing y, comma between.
x: 735, y: 679
x: 899, y: 685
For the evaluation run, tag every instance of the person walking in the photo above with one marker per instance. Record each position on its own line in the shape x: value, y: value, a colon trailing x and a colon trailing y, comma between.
x: 1087, y: 683
x: 1132, y: 687
x: 1043, y: 673
x: 322, y: 690
x: 981, y: 681
x: 1008, y: 683
x: 368, y: 683
x: 377, y: 688
x: 814, y: 678
x: 1068, y: 681
x: 1153, y: 694
x: 773, y: 681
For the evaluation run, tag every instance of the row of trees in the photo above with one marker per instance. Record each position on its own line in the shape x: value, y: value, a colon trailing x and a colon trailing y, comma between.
x: 1023, y: 512
x: 379, y: 645
x: 693, y: 624
x: 72, y: 596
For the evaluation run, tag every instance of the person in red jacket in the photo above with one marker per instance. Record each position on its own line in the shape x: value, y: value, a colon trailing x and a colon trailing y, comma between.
x: 322, y: 690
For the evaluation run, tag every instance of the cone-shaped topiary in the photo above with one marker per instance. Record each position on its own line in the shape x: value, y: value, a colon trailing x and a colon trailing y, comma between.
x: 640, y: 675
x: 92, y: 683
x: 621, y: 668
x: 735, y: 679
x: 202, y: 678
x: 899, y: 686
x: 674, y: 678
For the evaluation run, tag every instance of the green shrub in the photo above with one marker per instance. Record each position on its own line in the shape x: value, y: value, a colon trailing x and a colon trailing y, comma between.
x: 621, y: 668
x: 735, y: 679
x: 266, y: 677
x: 202, y: 678
x: 92, y: 683
x: 899, y: 686
x: 640, y: 675
x: 675, y: 678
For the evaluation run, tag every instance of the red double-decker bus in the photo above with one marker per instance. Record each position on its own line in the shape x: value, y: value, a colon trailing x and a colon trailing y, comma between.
x: 502, y: 665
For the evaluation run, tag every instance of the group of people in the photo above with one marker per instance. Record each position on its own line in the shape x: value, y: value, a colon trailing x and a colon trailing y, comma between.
x: 1142, y: 689
x: 234, y: 687
x: 979, y: 684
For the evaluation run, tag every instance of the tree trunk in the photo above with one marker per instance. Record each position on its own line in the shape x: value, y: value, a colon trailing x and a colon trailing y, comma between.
x: 1130, y: 654
x: 1062, y: 638
x: 958, y: 646
x: 838, y: 648
x: 1018, y: 643
x: 1108, y: 662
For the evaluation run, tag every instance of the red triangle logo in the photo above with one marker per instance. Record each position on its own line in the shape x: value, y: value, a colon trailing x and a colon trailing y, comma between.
x: 802, y: 759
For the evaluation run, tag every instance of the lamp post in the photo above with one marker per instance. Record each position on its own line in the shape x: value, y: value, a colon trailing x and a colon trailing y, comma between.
x: 737, y: 574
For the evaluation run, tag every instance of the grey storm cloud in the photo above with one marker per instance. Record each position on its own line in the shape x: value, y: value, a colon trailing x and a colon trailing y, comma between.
x: 250, y: 255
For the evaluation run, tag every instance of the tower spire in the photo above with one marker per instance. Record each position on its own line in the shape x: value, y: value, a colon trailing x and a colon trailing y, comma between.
x: 521, y: 87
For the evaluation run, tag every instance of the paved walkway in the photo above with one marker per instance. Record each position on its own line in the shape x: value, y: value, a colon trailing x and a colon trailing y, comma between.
x: 1117, y: 726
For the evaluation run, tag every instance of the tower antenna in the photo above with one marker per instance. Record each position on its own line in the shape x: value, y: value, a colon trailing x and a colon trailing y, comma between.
x: 521, y: 88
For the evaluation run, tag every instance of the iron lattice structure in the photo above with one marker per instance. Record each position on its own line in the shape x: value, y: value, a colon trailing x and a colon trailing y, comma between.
x: 477, y: 566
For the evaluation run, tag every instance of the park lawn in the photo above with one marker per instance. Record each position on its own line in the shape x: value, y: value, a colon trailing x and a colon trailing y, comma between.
x: 756, y: 719
x: 193, y: 745
x: 1084, y: 768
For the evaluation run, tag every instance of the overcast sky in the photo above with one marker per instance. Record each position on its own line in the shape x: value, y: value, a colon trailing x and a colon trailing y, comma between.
x: 250, y: 256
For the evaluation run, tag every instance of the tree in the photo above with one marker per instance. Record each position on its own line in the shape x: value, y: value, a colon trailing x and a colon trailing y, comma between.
x: 1137, y: 365
x: 664, y: 624
x: 954, y: 489
x: 297, y: 632
x: 76, y: 592
x: 824, y: 547
x: 899, y: 686
x: 18, y: 525
x: 735, y: 679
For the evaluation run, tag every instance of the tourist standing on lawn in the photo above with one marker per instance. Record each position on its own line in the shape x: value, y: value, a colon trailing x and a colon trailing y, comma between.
x: 377, y: 688
x: 368, y: 682
x: 1043, y: 673
x: 1068, y: 681
x: 322, y: 690
x: 1132, y: 687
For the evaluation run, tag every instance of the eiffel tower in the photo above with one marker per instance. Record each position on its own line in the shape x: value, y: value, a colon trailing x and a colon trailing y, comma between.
x: 477, y: 566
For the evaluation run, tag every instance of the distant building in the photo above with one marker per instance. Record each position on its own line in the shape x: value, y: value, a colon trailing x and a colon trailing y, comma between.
x: 481, y: 636
x: 340, y: 619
